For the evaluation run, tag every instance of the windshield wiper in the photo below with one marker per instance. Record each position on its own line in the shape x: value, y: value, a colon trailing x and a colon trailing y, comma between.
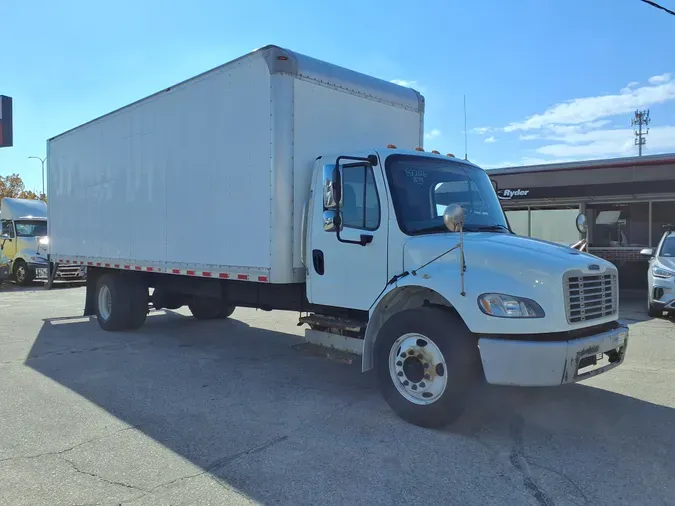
x: 491, y: 228
x: 430, y: 230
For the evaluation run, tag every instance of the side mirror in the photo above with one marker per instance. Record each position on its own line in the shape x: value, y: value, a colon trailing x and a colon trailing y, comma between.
x: 331, y: 221
x: 5, y: 237
x: 330, y: 199
x: 647, y: 252
x: 453, y: 217
x: 582, y: 223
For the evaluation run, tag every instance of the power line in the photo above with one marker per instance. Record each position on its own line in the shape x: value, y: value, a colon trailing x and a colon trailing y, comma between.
x: 654, y: 4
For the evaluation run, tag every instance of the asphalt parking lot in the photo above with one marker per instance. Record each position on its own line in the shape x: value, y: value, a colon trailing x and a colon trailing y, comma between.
x: 231, y: 412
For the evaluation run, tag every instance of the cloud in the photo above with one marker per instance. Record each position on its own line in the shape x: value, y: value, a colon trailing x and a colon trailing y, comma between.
x: 629, y: 87
x: 528, y: 137
x: 481, y: 130
x: 610, y: 143
x: 403, y: 82
x: 490, y: 139
x: 590, y: 109
x: 432, y: 134
x: 663, y: 78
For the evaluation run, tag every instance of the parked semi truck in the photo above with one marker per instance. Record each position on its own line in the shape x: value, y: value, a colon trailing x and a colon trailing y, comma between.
x: 281, y: 182
x: 24, y: 242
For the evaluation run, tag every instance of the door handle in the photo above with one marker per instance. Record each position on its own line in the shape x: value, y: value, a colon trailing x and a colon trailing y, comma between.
x: 317, y: 261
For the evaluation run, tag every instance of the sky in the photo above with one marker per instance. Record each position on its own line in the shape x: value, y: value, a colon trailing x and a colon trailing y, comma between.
x: 545, y: 80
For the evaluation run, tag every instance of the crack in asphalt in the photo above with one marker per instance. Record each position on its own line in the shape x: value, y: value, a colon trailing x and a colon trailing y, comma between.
x: 228, y: 459
x: 101, y: 478
x: 59, y: 453
x: 520, y: 462
x: 562, y: 475
x: 216, y: 464
x: 67, y: 352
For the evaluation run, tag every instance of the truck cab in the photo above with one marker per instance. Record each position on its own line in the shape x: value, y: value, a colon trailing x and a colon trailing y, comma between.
x: 24, y: 238
x: 419, y: 243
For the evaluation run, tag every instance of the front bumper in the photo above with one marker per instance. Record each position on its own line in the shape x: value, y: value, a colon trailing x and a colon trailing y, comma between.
x: 539, y: 363
x: 663, y: 293
x: 41, y: 269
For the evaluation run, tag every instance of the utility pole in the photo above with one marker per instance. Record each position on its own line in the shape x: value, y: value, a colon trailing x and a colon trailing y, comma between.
x: 641, y: 118
x: 42, y: 161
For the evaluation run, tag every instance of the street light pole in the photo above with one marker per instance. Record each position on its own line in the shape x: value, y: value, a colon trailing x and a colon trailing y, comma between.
x: 42, y: 161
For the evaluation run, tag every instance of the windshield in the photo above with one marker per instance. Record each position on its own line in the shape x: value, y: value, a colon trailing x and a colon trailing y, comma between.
x: 30, y: 228
x: 668, y: 247
x: 422, y: 187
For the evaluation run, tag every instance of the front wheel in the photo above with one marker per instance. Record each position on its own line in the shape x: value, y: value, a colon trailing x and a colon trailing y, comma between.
x: 22, y: 274
x: 428, y: 366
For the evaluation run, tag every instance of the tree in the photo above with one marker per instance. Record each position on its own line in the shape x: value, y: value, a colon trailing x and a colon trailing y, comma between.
x: 12, y: 186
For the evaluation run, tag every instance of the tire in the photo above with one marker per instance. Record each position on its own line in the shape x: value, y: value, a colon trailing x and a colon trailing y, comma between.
x: 209, y: 308
x: 653, y: 311
x: 226, y: 311
x: 124, y: 306
x: 23, y: 276
x: 430, y: 336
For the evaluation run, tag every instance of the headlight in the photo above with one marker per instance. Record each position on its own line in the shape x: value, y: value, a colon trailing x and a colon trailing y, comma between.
x: 662, y: 273
x: 44, y: 241
x: 509, y: 306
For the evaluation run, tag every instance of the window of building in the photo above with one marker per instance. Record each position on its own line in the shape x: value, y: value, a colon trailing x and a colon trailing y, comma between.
x: 618, y: 225
x: 360, y: 202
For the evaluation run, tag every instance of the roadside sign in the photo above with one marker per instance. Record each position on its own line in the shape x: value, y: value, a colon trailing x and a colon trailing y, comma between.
x: 6, y: 134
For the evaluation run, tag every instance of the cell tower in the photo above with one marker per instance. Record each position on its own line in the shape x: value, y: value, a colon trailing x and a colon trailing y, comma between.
x: 641, y: 118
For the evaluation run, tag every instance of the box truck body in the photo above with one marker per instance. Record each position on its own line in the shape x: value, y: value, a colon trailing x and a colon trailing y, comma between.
x: 281, y: 182
x: 212, y: 175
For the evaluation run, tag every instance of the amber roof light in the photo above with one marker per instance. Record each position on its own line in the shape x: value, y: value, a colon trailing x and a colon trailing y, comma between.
x: 418, y: 149
x: 391, y: 146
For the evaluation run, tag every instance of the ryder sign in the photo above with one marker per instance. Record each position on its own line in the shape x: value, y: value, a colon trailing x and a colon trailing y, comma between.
x: 509, y: 194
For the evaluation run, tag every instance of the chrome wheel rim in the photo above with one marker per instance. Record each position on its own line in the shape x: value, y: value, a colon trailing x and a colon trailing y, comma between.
x: 104, y: 302
x: 418, y: 369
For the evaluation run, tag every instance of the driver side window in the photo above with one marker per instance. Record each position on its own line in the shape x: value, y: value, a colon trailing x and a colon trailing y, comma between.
x: 8, y: 229
x: 360, y: 202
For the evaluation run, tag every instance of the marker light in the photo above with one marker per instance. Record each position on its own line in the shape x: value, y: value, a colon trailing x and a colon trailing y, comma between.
x: 391, y: 146
x: 436, y: 152
x: 450, y: 155
x: 418, y: 149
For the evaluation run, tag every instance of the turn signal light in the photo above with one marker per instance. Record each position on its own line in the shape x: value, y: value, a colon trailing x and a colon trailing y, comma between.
x: 418, y: 149
x: 391, y: 146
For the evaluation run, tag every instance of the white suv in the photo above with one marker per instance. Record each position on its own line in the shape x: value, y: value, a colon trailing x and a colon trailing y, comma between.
x: 661, y: 274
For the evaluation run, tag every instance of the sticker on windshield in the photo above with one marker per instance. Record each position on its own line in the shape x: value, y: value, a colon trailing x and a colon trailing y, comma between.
x: 417, y: 175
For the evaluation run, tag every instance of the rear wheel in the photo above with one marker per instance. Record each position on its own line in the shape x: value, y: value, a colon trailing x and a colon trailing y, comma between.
x: 121, y: 302
x: 428, y: 366
x: 22, y: 274
x: 209, y: 308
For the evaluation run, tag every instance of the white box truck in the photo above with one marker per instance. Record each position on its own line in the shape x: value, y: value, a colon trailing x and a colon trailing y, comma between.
x: 278, y: 181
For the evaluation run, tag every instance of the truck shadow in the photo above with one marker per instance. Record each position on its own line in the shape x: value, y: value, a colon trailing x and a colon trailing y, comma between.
x: 282, y: 426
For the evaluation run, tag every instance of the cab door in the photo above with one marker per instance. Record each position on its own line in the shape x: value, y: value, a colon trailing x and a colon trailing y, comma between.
x: 347, y: 264
x: 9, y: 245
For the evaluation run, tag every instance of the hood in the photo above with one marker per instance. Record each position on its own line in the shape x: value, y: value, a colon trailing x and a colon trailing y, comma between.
x: 504, y: 252
x: 667, y: 263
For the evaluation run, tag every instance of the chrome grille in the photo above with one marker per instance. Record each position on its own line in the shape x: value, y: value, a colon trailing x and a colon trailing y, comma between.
x: 591, y: 296
x: 68, y: 272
